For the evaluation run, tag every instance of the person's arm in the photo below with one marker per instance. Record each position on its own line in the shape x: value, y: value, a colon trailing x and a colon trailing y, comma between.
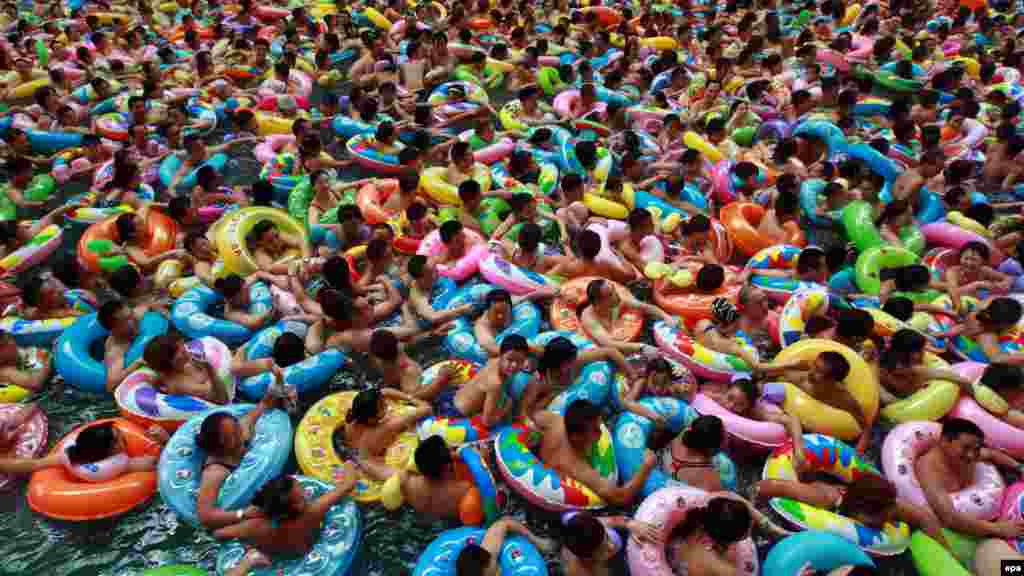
x: 249, y: 320
x: 999, y: 458
x: 942, y: 505
x: 601, y: 337
x: 29, y: 380
x: 608, y: 490
x: 209, y: 514
x: 485, y: 337
x: 139, y: 256
x: 492, y: 412
x: 505, y: 226
x: 247, y: 423
x: 494, y: 538
x: 922, y: 519
x: 116, y: 372
x: 253, y: 529
x: 317, y: 509
x: 995, y: 353
x: 608, y: 353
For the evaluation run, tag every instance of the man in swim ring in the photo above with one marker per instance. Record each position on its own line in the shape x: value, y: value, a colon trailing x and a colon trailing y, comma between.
x: 486, y: 393
x: 949, y: 467
x: 269, y: 245
x: 786, y: 208
x: 399, y: 370
x: 198, y: 152
x: 588, y: 244
x: 566, y: 442
x: 122, y: 323
x: 43, y: 298
x: 484, y: 559
x: 460, y: 168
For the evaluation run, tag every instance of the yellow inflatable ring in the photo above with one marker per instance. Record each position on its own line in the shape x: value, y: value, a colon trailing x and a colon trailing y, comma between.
x: 29, y: 88
x: 231, y: 237
x: 434, y: 183
x: 816, y: 416
x: 930, y: 403
x: 314, y: 444
x: 707, y: 149
x: 970, y: 224
x: 268, y: 124
x: 604, y: 207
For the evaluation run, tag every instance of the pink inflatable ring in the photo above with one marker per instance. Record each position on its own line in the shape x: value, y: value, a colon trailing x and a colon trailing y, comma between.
x: 906, y: 442
x: 667, y: 509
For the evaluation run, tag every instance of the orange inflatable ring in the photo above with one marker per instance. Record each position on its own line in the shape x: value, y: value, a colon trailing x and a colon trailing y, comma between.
x: 695, y: 306
x: 54, y: 492
x: 608, y: 17
x: 741, y: 220
x: 161, y: 232
x: 178, y: 34
x: 481, y: 23
x: 370, y: 200
x: 574, y: 295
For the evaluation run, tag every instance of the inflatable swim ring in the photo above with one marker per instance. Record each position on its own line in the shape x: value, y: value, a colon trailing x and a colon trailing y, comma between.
x: 573, y: 294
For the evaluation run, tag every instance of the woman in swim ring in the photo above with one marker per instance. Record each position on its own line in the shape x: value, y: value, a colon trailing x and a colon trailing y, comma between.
x: 902, y: 369
x: 99, y: 454
x: 720, y: 333
x: 370, y: 429
x: 225, y: 440
x: 527, y: 250
x: 559, y: 366
x: 688, y: 458
x: 591, y: 542
x: 973, y: 274
x: 288, y: 525
x: 699, y: 544
x: 870, y: 500
x: 599, y: 316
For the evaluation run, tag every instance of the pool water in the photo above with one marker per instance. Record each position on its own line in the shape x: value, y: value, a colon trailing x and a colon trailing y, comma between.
x: 153, y: 536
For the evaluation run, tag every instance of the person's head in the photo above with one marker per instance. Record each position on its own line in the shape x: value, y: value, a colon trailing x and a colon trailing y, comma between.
x: 95, y: 443
x: 451, y: 233
x: 469, y: 194
x: 854, y: 325
x: 830, y: 366
x: 434, y: 459
x: 264, y: 235
x: 8, y: 349
x: 529, y: 237
x: 558, y: 356
x: 128, y: 227
x: 974, y: 255
x: 640, y: 222
x: 710, y: 278
x: 602, y: 295
x: 472, y: 560
x: 811, y: 264
x: 1001, y: 313
x: 582, y: 423
x: 220, y: 434
x: 289, y: 349
x: 704, y: 435
x: 725, y: 314
x: 281, y: 497
x: 513, y: 355
x: 724, y: 520
x: 231, y: 288
x: 368, y: 407
x: 961, y: 441
x: 462, y: 156
x: 583, y: 534
x: 166, y: 353
x: 499, y: 307
x: 868, y: 499
x: 117, y: 319
x: 43, y: 292
x: 589, y: 244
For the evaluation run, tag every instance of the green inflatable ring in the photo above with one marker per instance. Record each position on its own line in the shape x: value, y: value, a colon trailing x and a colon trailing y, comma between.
x: 40, y: 188
x: 859, y: 222
x: 912, y: 239
x: 492, y: 213
x: 931, y: 559
x: 299, y: 199
x: 872, y: 261
x: 550, y: 81
x: 895, y: 83
x: 744, y: 136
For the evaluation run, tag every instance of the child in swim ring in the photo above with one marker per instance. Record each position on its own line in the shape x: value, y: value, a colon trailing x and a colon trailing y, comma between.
x: 483, y: 559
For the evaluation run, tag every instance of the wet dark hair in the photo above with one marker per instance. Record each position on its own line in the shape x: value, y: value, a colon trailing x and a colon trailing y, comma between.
x: 578, y: 414
x: 125, y: 224
x: 92, y: 445
x: 416, y: 265
x: 903, y: 343
x: 1000, y: 376
x: 432, y: 456
x: 583, y: 534
x: 124, y: 280
x: 273, y: 497
x: 529, y: 236
x: 899, y: 307
x: 867, y: 494
x: 498, y: 295
x: 953, y: 428
x: 229, y: 286
x: 384, y: 344
x: 557, y: 352
x: 725, y: 520
x: 589, y: 244
x: 854, y: 323
x: 208, y: 438
x: 289, y: 349
x: 705, y: 435
x: 472, y: 561
x: 449, y: 229
x: 907, y: 278
x: 710, y: 277
x: 514, y: 343
x: 159, y: 352
x: 1001, y: 311
x: 365, y: 406
x: 105, y: 316
x: 337, y: 274
x: 838, y: 365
